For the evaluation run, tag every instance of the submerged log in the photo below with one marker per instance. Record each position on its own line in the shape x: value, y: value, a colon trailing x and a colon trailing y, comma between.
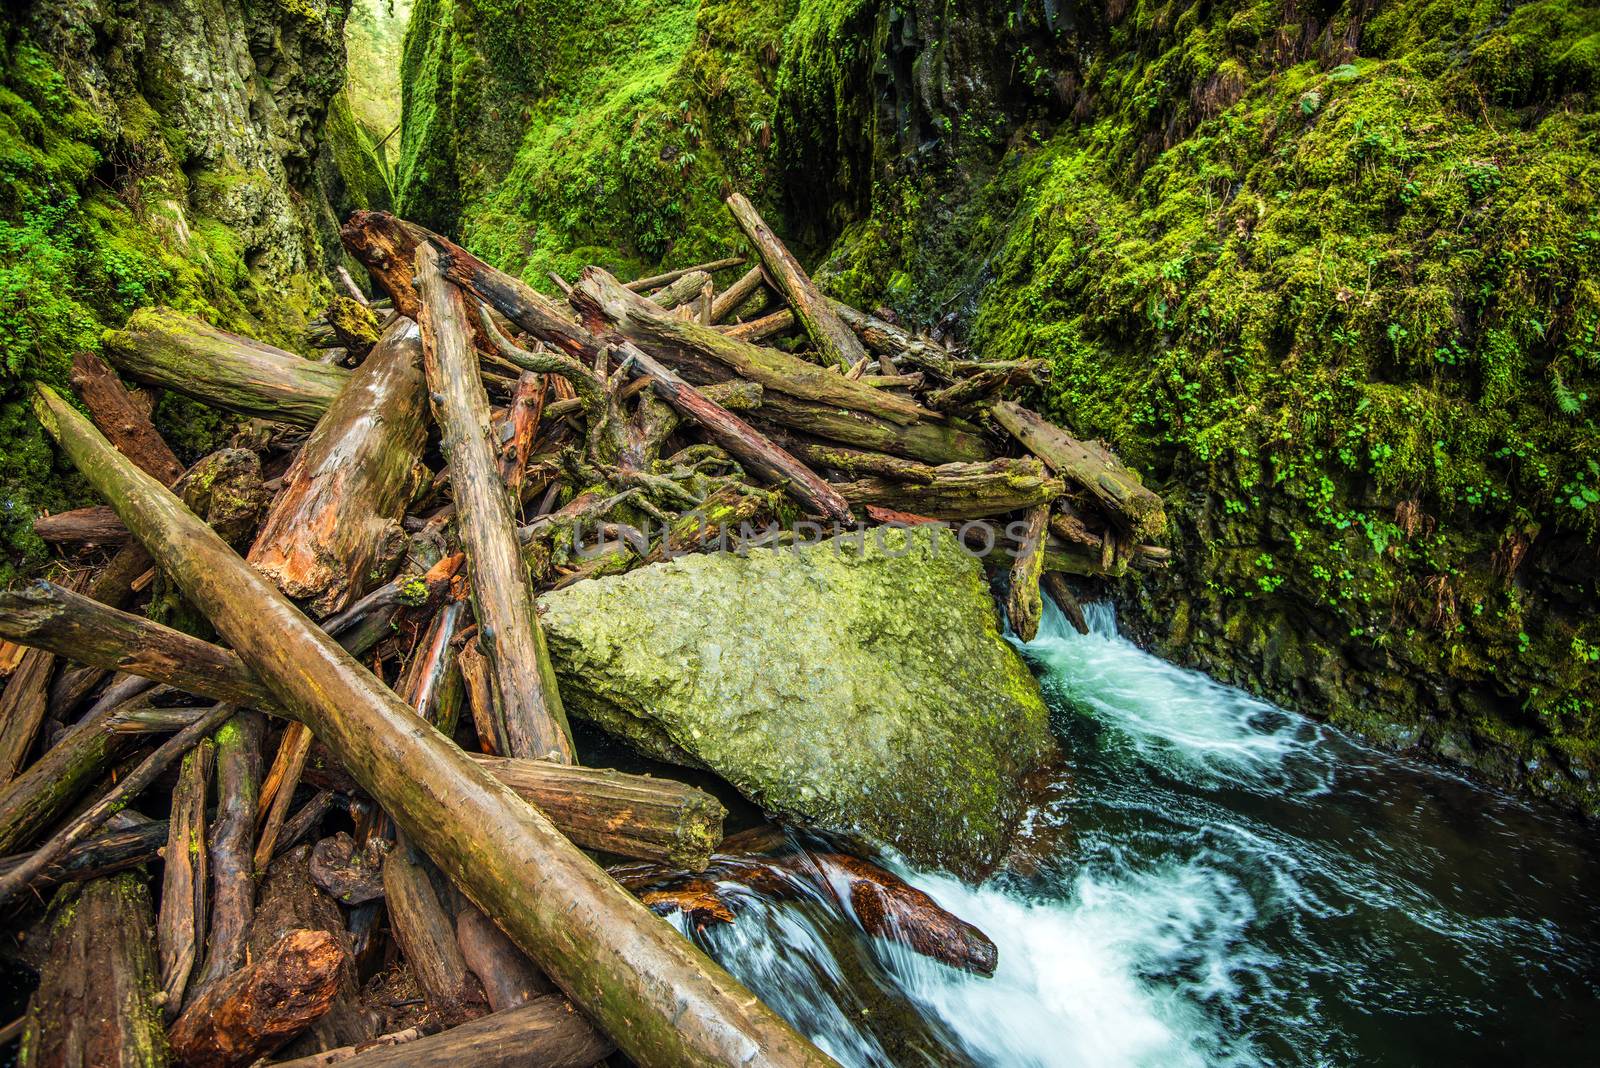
x: 665, y: 1002
x: 166, y: 348
x: 97, y: 1002
x: 502, y: 602
x: 343, y: 498
x: 264, y: 1004
x: 821, y: 323
x: 963, y: 491
x: 1118, y: 489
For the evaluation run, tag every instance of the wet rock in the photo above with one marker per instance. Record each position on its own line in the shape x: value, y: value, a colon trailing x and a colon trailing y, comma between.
x: 859, y: 686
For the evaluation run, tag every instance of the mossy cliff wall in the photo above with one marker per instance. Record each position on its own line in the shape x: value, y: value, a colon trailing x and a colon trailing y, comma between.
x: 154, y: 151
x: 1327, y: 271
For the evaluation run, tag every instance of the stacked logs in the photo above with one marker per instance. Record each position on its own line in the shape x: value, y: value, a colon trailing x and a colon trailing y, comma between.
x: 304, y: 678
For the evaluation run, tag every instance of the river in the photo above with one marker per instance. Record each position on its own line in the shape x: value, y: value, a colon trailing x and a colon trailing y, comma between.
x: 1217, y: 881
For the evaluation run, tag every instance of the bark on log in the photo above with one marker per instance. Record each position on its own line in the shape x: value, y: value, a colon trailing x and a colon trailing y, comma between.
x: 38, y: 796
x: 427, y: 936
x: 22, y: 707
x: 502, y: 601
x: 97, y: 997
x: 935, y: 443
x: 1118, y: 489
x: 181, y: 922
x: 508, y: 978
x: 277, y: 790
x: 887, y: 338
x: 968, y: 395
x: 665, y: 1001
x: 166, y: 348
x: 729, y: 300
x: 233, y: 895
x: 262, y: 1005
x: 122, y: 419
x: 104, y: 854
x: 963, y: 491
x: 684, y: 288
x: 821, y: 323
x: 546, y: 1032
x: 343, y: 498
x: 856, y: 462
x: 1024, y: 604
x: 642, y: 285
x: 94, y: 525
x: 604, y: 304
x: 758, y: 329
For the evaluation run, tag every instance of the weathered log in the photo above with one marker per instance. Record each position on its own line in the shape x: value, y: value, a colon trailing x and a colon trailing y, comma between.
x: 1118, y: 489
x: 502, y: 602
x: 38, y: 796
x: 47, y: 616
x: 104, y: 854
x: 350, y: 286
x: 181, y: 921
x: 684, y: 288
x: 1024, y: 604
x: 604, y: 304
x: 343, y: 497
x: 122, y: 419
x: 527, y: 408
x: 764, y: 327
x: 508, y: 978
x: 261, y: 1006
x: 546, y: 1032
x: 1056, y: 585
x: 277, y: 790
x: 969, y: 394
x: 963, y: 491
x: 729, y: 300
x: 631, y: 815
x: 935, y: 443
x: 233, y: 895
x: 85, y: 824
x: 834, y: 340
x: 887, y: 338
x: 643, y: 285
x: 93, y: 525
x: 427, y: 936
x: 350, y: 874
x: 858, y: 463
x: 166, y: 348
x: 97, y: 1002
x: 665, y: 1002
x: 23, y: 704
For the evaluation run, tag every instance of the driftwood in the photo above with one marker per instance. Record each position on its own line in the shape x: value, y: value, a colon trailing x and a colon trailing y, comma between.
x: 530, y: 703
x: 664, y: 1001
x: 342, y: 500
x: 833, y: 339
x: 1116, y: 488
x: 962, y: 491
x: 166, y: 348
x: 97, y: 1000
x: 264, y: 1004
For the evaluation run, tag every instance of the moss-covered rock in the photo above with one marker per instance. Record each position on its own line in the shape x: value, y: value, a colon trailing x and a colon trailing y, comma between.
x: 860, y: 685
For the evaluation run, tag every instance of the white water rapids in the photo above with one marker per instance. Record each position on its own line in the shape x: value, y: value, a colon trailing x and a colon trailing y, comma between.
x: 1218, y: 882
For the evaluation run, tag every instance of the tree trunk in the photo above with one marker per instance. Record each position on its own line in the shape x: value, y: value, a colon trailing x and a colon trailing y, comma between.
x: 262, y: 1005
x: 502, y: 601
x: 665, y: 1002
x: 343, y: 498
x: 97, y: 1002
x: 166, y: 348
x: 857, y: 463
x: 821, y: 323
x: 891, y: 340
x: 1024, y: 603
x: 963, y: 491
x: 1118, y: 489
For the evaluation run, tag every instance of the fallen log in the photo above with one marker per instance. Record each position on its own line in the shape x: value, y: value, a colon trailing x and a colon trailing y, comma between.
x: 764, y: 327
x: 970, y: 393
x: 427, y: 937
x: 641, y: 285
x: 664, y: 1001
x: 166, y: 348
x: 37, y: 797
x: 963, y: 491
x: 1062, y: 594
x: 343, y: 498
x: 23, y: 704
x: 856, y: 462
x: 603, y: 303
x: 834, y: 340
x: 98, y: 997
x: 729, y: 300
x: 93, y: 525
x: 885, y: 337
x: 1118, y: 489
x: 684, y: 288
x: 104, y: 854
x: 546, y: 1032
x: 181, y: 921
x: 508, y: 978
x: 946, y: 442
x: 262, y: 1005
x: 349, y: 874
x: 123, y: 420
x: 1024, y: 604
x: 502, y: 602
x: 232, y: 832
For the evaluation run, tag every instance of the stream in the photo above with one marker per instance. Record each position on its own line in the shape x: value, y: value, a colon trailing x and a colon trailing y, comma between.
x: 1217, y: 881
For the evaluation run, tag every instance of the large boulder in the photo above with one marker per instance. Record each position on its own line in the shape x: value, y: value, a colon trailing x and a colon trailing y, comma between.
x: 859, y: 685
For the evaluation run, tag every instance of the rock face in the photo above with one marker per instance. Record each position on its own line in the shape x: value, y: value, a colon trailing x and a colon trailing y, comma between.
x: 858, y: 685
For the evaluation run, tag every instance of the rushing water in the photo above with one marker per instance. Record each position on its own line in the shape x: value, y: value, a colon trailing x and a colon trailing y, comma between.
x: 1219, y: 882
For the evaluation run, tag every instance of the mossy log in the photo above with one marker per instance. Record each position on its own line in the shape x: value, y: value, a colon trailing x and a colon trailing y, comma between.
x: 502, y: 600
x: 764, y: 327
x: 163, y: 347
x: 899, y: 343
x: 546, y: 1032
x: 122, y: 419
x: 262, y: 1005
x: 664, y: 1001
x: 950, y: 441
x: 858, y: 463
x: 834, y: 340
x: 729, y: 300
x: 343, y: 498
x: 963, y: 491
x: 642, y: 285
x: 37, y: 797
x: 98, y: 1001
x: 1024, y: 603
x: 604, y: 304
x: 684, y: 288
x: 1119, y: 491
